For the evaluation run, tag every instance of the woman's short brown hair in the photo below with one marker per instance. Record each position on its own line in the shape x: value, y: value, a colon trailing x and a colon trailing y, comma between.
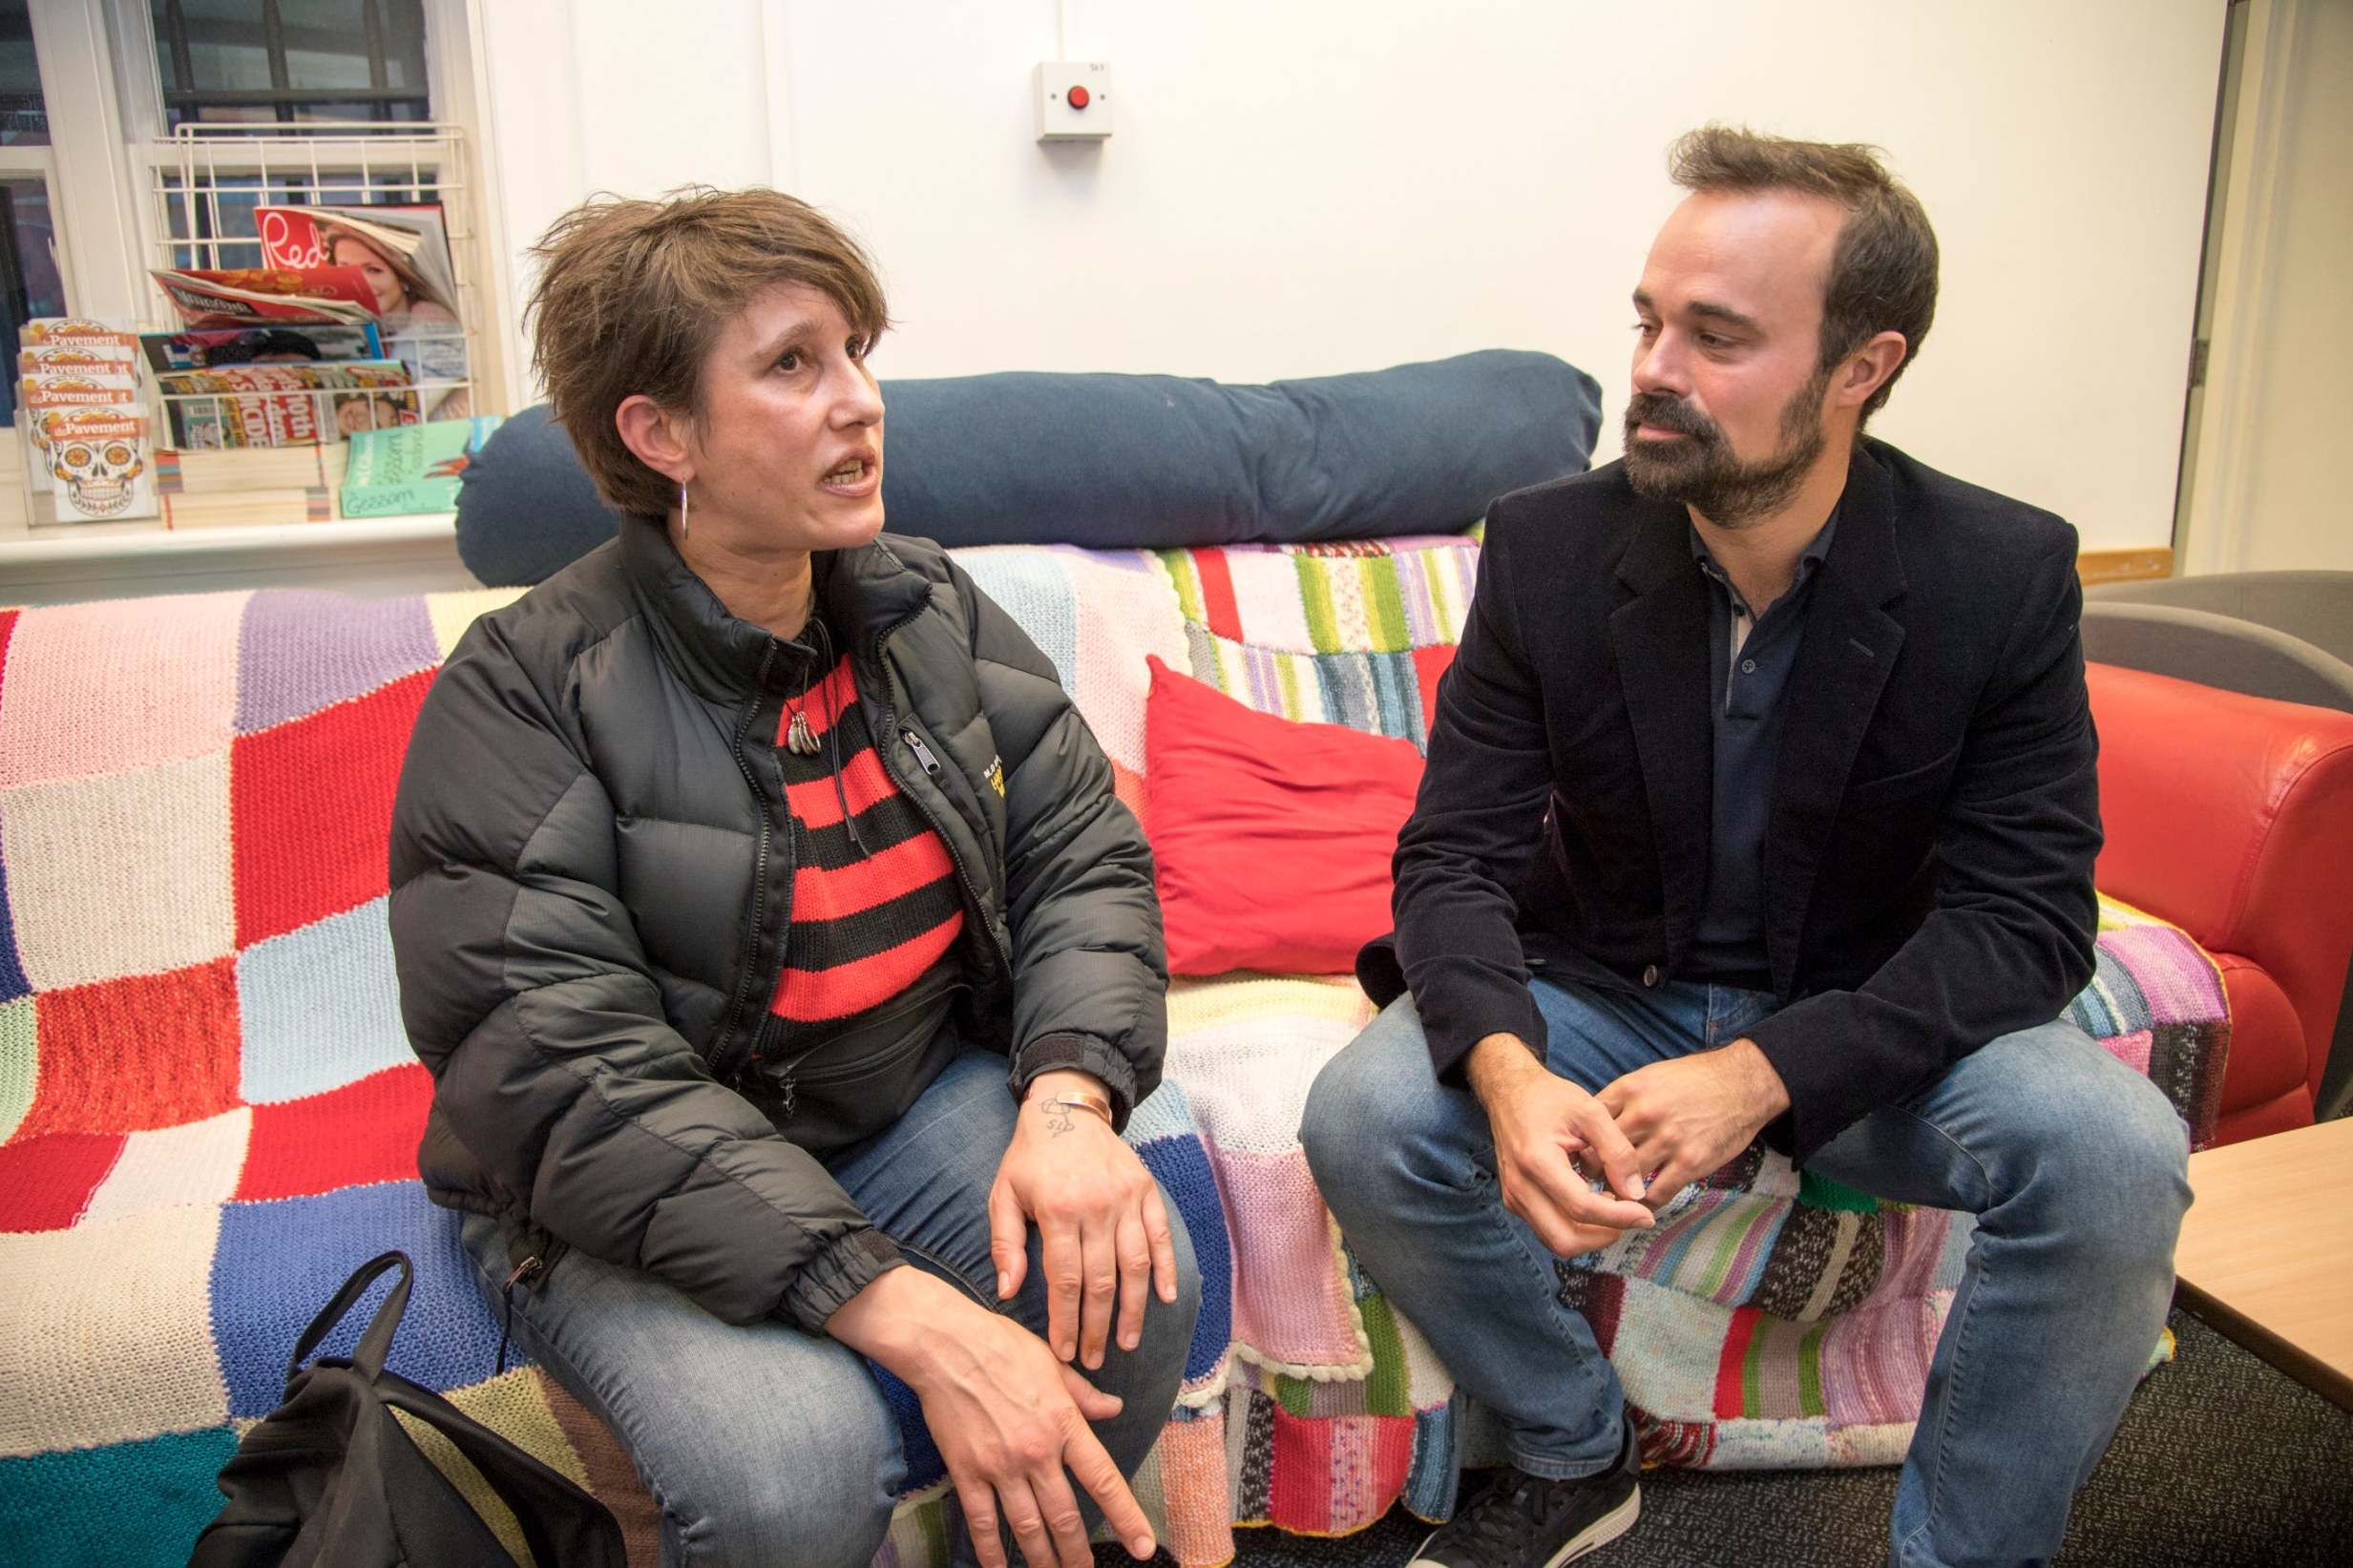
x: 1882, y: 274
x: 632, y: 295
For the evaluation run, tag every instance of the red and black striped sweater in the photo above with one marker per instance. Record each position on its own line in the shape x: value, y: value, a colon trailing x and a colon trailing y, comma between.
x: 871, y: 964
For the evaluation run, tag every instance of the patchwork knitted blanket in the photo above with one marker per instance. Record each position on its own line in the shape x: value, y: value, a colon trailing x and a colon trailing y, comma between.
x: 208, y: 1112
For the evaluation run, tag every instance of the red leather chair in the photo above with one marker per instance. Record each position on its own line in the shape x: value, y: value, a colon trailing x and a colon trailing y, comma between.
x: 2232, y: 816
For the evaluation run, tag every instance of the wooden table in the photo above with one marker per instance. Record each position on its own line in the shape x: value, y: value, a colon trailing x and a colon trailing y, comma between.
x: 2267, y: 1252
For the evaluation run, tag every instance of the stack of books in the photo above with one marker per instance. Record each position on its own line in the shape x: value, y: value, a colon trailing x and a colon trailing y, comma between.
x: 248, y: 488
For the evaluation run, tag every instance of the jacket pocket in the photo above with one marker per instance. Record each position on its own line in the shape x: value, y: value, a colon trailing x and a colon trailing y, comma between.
x: 827, y: 1068
x: 1895, y: 787
x: 836, y: 1107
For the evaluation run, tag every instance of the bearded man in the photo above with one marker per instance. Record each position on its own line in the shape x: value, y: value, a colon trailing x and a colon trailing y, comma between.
x: 1760, y: 800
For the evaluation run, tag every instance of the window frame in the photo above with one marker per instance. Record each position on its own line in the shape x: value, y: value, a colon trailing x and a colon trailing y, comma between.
x: 31, y: 160
x: 105, y: 97
x: 138, y: 19
x: 108, y: 140
x: 92, y: 179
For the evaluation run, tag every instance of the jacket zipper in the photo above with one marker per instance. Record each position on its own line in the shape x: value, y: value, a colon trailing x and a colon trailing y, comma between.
x: 963, y: 877
x: 523, y: 1271
x: 725, y: 1059
x: 932, y: 771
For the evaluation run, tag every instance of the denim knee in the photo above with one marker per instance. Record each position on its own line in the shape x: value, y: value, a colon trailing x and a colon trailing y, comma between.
x: 2114, y: 1169
x: 1338, y: 1129
x: 1357, y: 1128
x: 2150, y: 1147
x: 823, y: 1503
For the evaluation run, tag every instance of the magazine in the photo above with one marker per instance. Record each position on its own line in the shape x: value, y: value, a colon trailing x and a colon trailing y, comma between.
x: 98, y: 459
x: 403, y: 471
x: 199, y: 350
x: 78, y: 389
x: 286, y: 404
x: 35, y: 362
x: 104, y: 386
x: 246, y: 296
x: 435, y: 358
x: 68, y: 361
x: 64, y: 346
x: 405, y: 251
x: 102, y: 339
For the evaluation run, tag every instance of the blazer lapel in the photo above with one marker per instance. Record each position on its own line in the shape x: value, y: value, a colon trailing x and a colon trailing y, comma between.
x: 1844, y: 662
x: 1660, y: 638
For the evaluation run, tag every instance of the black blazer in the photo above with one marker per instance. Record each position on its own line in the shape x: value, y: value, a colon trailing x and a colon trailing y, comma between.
x: 1931, y: 832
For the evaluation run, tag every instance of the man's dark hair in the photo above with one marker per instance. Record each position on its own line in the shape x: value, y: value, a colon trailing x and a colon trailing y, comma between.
x: 1882, y: 274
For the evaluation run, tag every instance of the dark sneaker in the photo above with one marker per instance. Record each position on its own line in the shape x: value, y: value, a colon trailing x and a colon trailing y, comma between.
x: 1522, y: 1521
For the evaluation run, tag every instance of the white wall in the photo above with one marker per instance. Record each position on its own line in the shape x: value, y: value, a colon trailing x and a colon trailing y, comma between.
x: 1303, y: 188
x: 2269, y: 490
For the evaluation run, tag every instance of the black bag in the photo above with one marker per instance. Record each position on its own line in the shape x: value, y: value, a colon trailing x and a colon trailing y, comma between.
x: 329, y: 1478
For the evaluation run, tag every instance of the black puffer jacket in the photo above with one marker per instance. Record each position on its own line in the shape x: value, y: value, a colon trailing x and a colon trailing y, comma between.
x: 589, y: 890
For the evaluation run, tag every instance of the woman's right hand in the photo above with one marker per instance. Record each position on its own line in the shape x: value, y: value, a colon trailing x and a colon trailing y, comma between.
x: 1008, y: 1417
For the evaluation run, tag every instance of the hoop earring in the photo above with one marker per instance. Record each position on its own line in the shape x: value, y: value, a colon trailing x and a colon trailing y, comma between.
x: 681, y: 509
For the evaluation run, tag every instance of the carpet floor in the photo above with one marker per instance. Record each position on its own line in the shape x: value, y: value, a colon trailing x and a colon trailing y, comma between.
x: 2220, y: 1461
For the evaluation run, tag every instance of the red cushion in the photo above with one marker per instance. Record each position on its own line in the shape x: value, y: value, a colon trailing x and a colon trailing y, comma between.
x: 1271, y: 838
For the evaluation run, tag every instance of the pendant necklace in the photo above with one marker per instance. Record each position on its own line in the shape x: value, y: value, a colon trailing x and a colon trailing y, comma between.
x: 799, y: 738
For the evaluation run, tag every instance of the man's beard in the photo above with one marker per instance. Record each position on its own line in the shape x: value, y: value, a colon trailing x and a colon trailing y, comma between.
x: 1701, y: 472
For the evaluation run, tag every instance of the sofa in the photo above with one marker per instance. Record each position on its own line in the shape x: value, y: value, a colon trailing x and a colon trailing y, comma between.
x: 2285, y: 635
x: 209, y: 1114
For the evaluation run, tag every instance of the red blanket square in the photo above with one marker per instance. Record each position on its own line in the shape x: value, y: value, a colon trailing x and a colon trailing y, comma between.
x: 144, y: 1051
x: 46, y: 1183
x: 360, y: 1133
x: 310, y: 806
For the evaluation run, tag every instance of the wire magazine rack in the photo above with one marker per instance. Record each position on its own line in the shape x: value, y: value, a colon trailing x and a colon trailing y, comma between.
x: 203, y: 183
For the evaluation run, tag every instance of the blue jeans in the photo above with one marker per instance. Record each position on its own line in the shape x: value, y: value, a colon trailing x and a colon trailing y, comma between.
x: 2073, y: 1164
x: 764, y: 1444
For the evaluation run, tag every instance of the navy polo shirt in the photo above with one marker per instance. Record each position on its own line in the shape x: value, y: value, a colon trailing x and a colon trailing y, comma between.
x: 1751, y: 658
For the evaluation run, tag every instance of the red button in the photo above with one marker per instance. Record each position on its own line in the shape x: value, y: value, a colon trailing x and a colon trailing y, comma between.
x: 1080, y: 97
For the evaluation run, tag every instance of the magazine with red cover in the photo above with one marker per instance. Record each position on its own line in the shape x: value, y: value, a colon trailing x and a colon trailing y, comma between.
x: 404, y: 251
x: 244, y: 296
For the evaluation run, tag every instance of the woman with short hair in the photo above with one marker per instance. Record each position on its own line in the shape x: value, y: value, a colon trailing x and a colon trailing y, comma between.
x: 765, y: 914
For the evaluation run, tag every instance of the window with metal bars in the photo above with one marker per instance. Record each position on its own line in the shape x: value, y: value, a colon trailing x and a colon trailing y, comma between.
x: 287, y: 62
x: 215, y: 228
x: 31, y: 283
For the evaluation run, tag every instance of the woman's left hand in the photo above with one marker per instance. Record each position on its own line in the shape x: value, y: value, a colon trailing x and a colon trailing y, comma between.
x: 1098, y: 1214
